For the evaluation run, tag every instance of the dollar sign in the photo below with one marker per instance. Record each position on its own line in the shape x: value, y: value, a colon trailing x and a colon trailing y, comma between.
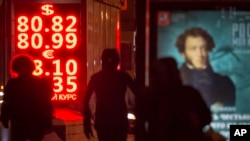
x: 47, y: 9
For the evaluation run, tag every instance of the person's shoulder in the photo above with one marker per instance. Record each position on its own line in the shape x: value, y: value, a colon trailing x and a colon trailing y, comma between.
x: 42, y: 80
x: 12, y: 84
x: 12, y: 81
x: 124, y: 74
x: 190, y: 93
x: 96, y: 75
x: 189, y: 90
x: 187, y: 87
x: 36, y: 79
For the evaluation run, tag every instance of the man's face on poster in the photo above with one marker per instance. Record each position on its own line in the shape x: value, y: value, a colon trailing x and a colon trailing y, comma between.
x: 195, y: 52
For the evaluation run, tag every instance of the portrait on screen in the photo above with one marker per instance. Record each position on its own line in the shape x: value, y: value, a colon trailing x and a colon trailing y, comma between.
x: 213, y: 57
x: 194, y: 45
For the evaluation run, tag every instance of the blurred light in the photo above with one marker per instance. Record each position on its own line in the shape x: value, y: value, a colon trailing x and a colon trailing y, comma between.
x: 134, y: 37
x: 118, y: 25
x: 1, y: 93
x: 4, y: 134
x: 118, y: 67
x: 2, y: 87
x: 131, y: 116
x: 1, y: 101
x: 102, y: 15
x: 107, y: 16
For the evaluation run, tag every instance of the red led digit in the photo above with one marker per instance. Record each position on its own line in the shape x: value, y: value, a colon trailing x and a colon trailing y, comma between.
x: 22, y: 41
x: 71, y: 40
x: 36, y: 40
x: 73, y: 20
x: 22, y: 24
x: 71, y: 67
x: 58, y: 86
x: 38, y: 70
x: 57, y: 24
x: 71, y: 84
x: 57, y: 40
x: 58, y: 68
x: 36, y: 24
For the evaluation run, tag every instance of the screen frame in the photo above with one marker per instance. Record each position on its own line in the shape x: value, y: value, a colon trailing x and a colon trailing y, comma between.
x: 183, y: 6
x: 155, y: 7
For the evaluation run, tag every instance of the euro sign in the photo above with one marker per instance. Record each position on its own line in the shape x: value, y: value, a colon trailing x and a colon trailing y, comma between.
x: 48, y: 54
x: 47, y: 9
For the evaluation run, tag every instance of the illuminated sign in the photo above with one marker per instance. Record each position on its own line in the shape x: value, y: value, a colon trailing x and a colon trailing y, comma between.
x: 50, y: 34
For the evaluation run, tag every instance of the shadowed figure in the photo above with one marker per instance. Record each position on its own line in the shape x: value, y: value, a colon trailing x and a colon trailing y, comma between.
x: 109, y: 86
x: 175, y: 112
x: 27, y: 102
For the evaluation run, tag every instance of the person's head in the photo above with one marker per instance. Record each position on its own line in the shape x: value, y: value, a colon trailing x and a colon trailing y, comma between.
x: 165, y: 73
x: 22, y: 65
x: 110, y: 59
x: 194, y: 45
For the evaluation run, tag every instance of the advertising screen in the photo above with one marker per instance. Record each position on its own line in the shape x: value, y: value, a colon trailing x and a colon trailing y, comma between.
x: 212, y: 49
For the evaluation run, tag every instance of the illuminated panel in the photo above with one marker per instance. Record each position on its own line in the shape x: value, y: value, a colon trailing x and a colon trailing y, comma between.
x: 50, y: 34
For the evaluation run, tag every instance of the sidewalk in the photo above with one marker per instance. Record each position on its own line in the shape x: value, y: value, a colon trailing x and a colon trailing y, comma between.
x: 67, y: 127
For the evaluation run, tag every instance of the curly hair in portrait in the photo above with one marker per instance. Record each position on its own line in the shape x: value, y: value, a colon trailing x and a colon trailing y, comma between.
x: 194, y: 32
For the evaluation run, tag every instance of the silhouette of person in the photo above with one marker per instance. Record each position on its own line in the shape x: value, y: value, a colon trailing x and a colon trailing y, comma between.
x: 194, y: 45
x: 109, y: 86
x: 26, y: 102
x: 175, y: 112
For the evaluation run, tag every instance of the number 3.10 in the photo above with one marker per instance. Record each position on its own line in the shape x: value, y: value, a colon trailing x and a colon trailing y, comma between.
x: 70, y: 69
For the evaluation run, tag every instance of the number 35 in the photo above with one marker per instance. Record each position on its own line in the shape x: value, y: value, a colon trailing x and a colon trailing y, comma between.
x: 71, y: 84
